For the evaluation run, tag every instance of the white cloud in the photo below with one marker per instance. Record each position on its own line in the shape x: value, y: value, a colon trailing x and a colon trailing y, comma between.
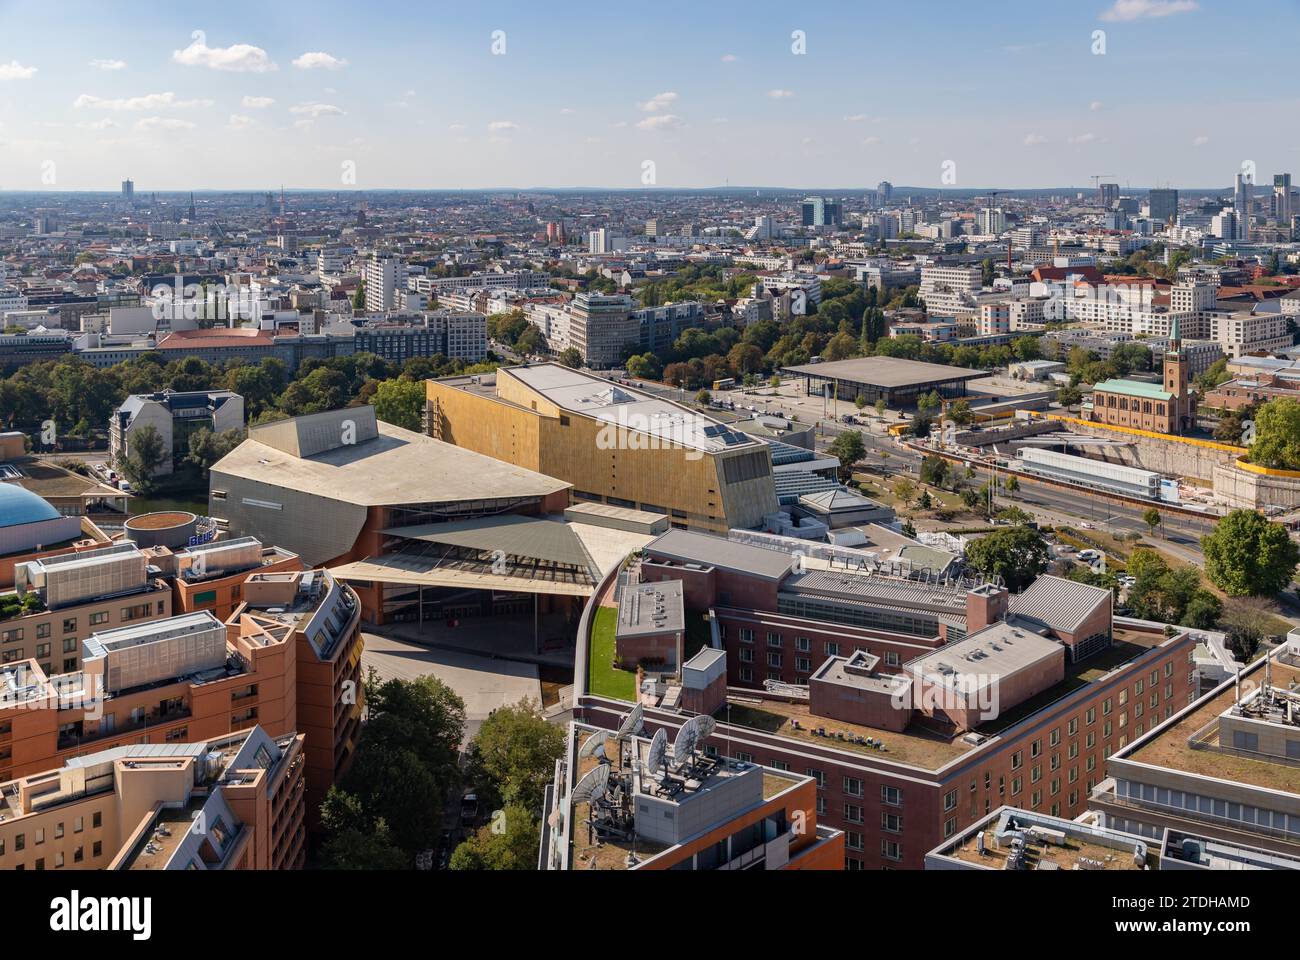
x: 109, y: 65
x: 456, y: 128
x: 496, y: 126
x: 317, y: 60
x: 105, y: 124
x: 1124, y: 11
x: 1035, y: 140
x: 660, y: 101
x: 662, y: 121
x: 871, y: 141
x: 150, y: 101
x: 257, y: 103
x: 1083, y: 138
x: 568, y: 111
x: 1095, y: 106
x: 729, y: 58
x: 1200, y: 141
x: 239, y: 121
x: 236, y: 58
x: 779, y: 94
x: 163, y: 123
x: 317, y: 110
x: 13, y: 70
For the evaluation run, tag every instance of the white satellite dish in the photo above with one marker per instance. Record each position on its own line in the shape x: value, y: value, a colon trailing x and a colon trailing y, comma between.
x: 658, y: 754
x: 688, y: 738
x: 632, y: 724
x: 593, y: 746
x: 593, y: 783
x: 706, y: 725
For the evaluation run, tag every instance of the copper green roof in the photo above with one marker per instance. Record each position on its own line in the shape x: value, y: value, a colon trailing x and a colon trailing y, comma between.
x: 1134, y: 388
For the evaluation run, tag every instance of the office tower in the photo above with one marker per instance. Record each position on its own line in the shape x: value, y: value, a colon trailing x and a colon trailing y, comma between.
x: 1282, y: 207
x: 1243, y: 196
x: 652, y: 228
x: 992, y: 221
x: 1163, y: 205
x: 884, y: 190
x: 822, y: 212
x: 1107, y: 194
x: 128, y: 191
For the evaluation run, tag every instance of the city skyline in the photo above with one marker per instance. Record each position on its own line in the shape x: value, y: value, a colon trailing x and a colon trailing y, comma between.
x: 1033, y: 98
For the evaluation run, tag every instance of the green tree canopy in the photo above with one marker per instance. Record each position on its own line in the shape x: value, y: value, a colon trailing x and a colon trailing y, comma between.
x: 400, y: 402
x: 1016, y: 554
x: 1247, y: 555
x: 512, y: 757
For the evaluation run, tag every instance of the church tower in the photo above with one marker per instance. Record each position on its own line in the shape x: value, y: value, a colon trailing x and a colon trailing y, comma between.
x: 1178, y: 381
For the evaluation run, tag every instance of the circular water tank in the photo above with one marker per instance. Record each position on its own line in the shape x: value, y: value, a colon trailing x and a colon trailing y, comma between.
x: 173, y: 528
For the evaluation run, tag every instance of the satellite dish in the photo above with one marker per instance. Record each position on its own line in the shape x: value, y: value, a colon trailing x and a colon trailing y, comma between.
x: 688, y: 739
x: 658, y: 753
x: 593, y: 783
x: 632, y: 724
x: 593, y: 746
x: 706, y: 725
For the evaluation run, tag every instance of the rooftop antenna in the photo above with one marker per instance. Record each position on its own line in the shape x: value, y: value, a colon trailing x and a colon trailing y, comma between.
x: 594, y: 746
x: 657, y: 757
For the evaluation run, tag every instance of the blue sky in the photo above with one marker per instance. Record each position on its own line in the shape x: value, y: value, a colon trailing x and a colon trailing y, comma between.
x: 390, y: 94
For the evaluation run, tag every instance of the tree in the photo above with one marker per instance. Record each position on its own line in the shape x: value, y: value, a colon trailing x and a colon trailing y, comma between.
x: 934, y: 470
x: 1012, y: 485
x: 359, y: 298
x: 880, y: 407
x: 512, y: 758
x: 850, y: 449
x: 904, y: 490
x: 1151, y: 517
x: 206, y: 447
x: 145, y: 455
x: 1247, y: 555
x: 406, y: 759
x: 1016, y: 554
x: 355, y: 840
x: 704, y: 398
x: 1247, y: 621
x: 1277, y: 435
x: 508, y: 843
x: 401, y: 403
x: 571, y: 357
x: 860, y: 402
x: 1069, y: 397
x: 960, y: 413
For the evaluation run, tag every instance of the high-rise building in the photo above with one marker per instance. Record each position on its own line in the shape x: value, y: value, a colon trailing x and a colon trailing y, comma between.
x: 1282, y: 206
x: 822, y: 212
x: 385, y: 276
x: 1243, y: 198
x: 1163, y: 205
x: 128, y: 191
x: 1108, y: 194
x: 884, y: 190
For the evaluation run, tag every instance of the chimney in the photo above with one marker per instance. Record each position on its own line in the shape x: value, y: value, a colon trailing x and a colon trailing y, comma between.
x: 985, y: 605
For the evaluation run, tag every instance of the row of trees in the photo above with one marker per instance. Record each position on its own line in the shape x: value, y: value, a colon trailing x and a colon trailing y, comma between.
x: 389, y: 807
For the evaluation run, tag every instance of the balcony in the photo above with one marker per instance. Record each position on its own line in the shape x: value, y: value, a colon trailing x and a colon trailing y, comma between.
x: 152, y: 718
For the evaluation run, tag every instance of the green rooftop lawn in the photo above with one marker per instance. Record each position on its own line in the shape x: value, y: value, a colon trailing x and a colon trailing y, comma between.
x: 603, y: 678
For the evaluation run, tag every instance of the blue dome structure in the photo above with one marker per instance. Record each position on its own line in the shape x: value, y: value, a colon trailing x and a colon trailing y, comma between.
x: 19, y: 506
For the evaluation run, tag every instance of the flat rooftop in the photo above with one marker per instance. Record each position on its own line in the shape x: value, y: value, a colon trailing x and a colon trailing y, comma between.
x: 889, y: 372
x: 686, y: 547
x: 919, y: 745
x: 647, y: 609
x: 985, y: 657
x: 1171, y: 748
x: 625, y: 407
x: 1050, y: 843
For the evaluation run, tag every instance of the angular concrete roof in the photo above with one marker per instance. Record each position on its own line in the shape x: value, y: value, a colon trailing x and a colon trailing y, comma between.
x: 532, y: 537
x: 684, y: 546
x: 395, y: 467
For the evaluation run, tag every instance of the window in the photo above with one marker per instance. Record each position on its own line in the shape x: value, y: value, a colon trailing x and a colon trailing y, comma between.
x: 891, y: 658
x: 892, y: 796
x: 949, y: 800
x: 802, y: 644
x: 746, y: 635
x: 891, y: 822
x: 774, y: 660
x: 852, y: 813
x: 97, y: 618
x: 774, y: 640
x: 832, y: 649
x: 891, y: 850
x: 852, y: 787
x: 818, y: 776
x: 70, y: 645
x: 70, y: 625
x: 96, y: 819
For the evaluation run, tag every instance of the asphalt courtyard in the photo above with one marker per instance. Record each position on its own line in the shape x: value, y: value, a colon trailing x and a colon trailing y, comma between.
x: 484, y: 683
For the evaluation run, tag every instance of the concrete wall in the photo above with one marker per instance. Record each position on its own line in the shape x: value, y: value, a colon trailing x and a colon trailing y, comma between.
x: 1244, y: 488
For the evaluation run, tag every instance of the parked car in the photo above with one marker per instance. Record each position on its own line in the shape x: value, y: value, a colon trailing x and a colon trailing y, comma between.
x: 1089, y: 556
x: 469, y: 809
